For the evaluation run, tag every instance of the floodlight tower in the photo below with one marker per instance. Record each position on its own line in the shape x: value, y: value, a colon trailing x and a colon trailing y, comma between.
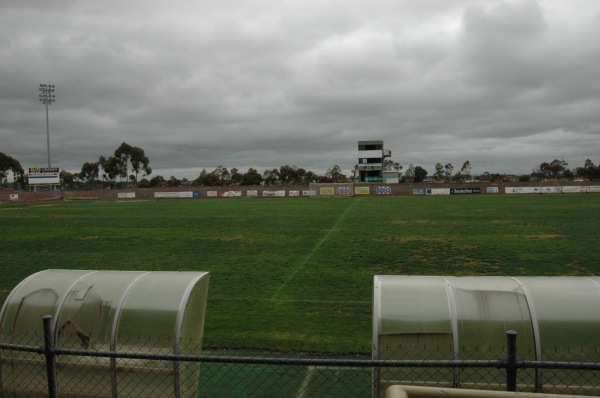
x: 47, y: 98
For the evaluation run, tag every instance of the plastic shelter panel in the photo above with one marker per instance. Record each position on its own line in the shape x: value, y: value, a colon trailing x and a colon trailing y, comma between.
x: 411, y: 320
x: 556, y: 319
x: 413, y: 306
x: 560, y: 303
x: 126, y: 311
x: 87, y: 314
x: 35, y: 297
x: 148, y: 323
x: 486, y: 308
x: 568, y: 318
x: 21, y: 322
x: 150, y: 310
x: 85, y: 321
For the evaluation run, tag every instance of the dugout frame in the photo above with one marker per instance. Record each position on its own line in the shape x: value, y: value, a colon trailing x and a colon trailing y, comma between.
x: 454, y: 318
x: 121, y: 311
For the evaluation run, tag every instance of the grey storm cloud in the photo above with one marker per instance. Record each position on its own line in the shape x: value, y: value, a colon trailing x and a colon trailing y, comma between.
x: 504, y: 84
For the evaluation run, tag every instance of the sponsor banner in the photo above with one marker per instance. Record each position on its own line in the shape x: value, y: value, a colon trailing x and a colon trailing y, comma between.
x: 326, y: 191
x: 126, y: 195
x: 294, y: 193
x: 43, y: 175
x: 231, y: 194
x: 212, y: 194
x: 572, y: 189
x: 272, y: 194
x: 374, y: 179
x: 383, y: 190
x: 579, y: 189
x: 344, y: 190
x: 252, y: 193
x: 44, y: 170
x: 166, y: 195
x: 196, y: 194
x: 437, y: 191
x: 492, y: 190
x: 546, y: 190
x: 362, y: 190
x: 550, y: 189
x: 511, y: 190
x: 14, y: 196
x: 465, y: 191
x: 173, y: 195
x: 311, y: 192
x: 418, y: 191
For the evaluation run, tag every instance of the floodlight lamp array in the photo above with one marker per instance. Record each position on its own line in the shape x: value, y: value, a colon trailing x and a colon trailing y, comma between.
x: 46, y: 96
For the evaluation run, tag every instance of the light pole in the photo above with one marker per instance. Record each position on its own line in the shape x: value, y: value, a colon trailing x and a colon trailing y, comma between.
x: 47, y: 98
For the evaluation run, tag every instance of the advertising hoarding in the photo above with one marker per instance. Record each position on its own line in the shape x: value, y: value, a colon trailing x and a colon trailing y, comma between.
x: 43, y: 175
x: 465, y: 191
x: 437, y: 191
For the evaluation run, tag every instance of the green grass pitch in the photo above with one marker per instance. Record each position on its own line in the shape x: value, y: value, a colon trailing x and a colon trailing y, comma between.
x: 300, y: 269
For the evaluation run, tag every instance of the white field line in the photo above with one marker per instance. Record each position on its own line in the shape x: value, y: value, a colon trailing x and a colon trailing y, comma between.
x: 306, y: 382
x: 310, y: 370
x: 312, y: 252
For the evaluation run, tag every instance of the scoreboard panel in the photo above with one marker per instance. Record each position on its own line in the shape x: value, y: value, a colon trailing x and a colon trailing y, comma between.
x: 44, y: 175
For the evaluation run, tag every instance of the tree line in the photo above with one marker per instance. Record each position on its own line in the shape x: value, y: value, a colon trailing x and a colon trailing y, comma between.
x: 122, y: 168
x: 7, y: 165
x: 554, y: 170
x: 129, y: 166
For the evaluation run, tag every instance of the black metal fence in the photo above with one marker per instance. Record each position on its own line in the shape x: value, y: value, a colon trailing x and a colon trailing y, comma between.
x: 49, y: 371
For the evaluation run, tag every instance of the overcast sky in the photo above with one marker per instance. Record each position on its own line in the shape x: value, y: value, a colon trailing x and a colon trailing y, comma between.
x: 252, y: 83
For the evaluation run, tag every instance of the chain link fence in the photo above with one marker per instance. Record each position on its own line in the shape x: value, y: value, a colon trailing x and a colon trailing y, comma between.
x: 300, y: 371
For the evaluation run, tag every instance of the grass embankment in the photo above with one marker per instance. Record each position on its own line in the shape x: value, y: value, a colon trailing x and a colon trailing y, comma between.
x: 301, y: 269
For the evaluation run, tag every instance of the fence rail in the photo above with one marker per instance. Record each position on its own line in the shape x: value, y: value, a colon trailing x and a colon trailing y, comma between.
x: 40, y: 371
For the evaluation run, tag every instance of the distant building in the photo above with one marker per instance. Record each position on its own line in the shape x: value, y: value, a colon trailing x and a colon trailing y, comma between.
x: 391, y: 177
x: 371, y: 155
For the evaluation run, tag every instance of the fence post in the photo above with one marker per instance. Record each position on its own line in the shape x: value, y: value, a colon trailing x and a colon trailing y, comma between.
x: 511, y: 360
x: 50, y: 356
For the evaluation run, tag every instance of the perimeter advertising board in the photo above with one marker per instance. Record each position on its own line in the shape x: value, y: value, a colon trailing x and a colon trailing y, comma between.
x: 511, y: 190
x: 553, y: 189
x: 437, y: 191
x: 383, y: 190
x: 464, y: 191
x: 344, y: 190
x: 231, y: 194
x: 43, y: 175
x: 173, y: 195
x: 571, y: 189
x: 452, y: 191
x: 327, y: 191
x: 274, y: 194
